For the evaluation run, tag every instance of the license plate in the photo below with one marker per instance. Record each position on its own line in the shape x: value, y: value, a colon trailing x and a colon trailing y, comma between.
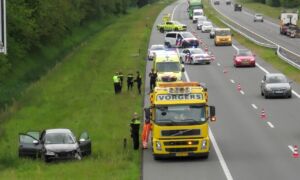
x: 182, y: 154
x: 278, y: 92
x: 246, y: 62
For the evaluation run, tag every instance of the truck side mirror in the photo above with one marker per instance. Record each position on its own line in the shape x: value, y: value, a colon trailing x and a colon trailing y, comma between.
x: 212, y: 112
x: 182, y: 69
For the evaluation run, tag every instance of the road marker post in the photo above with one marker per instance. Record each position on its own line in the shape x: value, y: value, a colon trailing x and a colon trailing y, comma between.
x: 295, y: 152
x: 263, y: 114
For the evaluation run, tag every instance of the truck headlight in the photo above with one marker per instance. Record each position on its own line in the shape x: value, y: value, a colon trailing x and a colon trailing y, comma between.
x: 158, y: 146
x: 204, y: 144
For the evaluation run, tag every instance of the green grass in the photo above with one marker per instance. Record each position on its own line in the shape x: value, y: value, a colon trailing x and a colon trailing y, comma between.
x: 78, y: 94
x: 266, y: 54
x: 273, y: 12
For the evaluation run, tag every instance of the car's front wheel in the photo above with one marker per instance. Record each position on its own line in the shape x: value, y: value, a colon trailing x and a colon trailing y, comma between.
x: 46, y: 159
x: 78, y: 156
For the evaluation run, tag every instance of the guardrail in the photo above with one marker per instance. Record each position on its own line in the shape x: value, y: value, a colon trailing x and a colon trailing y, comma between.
x: 280, y: 51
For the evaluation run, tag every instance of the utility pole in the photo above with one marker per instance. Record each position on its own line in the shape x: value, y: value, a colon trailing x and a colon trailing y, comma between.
x: 3, y: 42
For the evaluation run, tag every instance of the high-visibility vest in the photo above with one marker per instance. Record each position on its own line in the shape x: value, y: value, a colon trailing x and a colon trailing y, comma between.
x: 116, y: 79
x: 136, y: 121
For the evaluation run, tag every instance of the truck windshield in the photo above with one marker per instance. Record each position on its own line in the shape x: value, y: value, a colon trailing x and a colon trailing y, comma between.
x: 180, y: 115
x: 168, y: 67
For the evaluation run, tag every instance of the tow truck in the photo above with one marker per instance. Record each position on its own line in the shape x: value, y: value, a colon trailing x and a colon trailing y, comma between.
x: 288, y: 24
x: 179, y: 117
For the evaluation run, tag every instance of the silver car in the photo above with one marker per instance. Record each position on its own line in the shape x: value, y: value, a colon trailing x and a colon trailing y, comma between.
x: 154, y: 49
x: 195, y: 56
x: 276, y: 85
x: 206, y: 26
x: 200, y: 22
x: 54, y: 144
x: 258, y: 17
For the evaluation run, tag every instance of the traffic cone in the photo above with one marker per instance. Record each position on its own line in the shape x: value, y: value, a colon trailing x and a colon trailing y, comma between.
x: 263, y: 114
x: 295, y: 152
x: 239, y: 87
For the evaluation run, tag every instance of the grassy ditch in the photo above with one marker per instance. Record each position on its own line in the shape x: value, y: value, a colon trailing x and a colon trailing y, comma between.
x: 265, y: 53
x: 78, y: 94
x: 273, y: 12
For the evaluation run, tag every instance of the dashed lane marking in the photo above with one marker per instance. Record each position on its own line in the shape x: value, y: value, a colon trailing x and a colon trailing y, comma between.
x: 270, y: 124
x: 232, y: 81
x: 254, y: 106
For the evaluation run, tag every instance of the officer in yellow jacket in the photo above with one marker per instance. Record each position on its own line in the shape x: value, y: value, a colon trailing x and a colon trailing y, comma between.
x: 117, y: 82
x: 134, y: 129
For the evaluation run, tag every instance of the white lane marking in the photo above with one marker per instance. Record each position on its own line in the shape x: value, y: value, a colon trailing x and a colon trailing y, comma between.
x: 232, y: 81
x: 242, y: 92
x: 266, y: 71
x: 220, y: 156
x: 236, y: 48
x: 215, y: 144
x: 263, y: 69
x: 291, y: 148
x: 219, y: 64
x: 174, y: 11
x: 254, y: 106
x: 270, y: 124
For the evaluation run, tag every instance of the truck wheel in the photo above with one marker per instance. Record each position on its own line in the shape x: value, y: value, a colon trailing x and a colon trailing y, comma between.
x: 161, y: 30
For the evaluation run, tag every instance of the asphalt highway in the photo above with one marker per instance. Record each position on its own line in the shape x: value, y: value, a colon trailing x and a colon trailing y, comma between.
x: 246, y: 146
x: 268, y: 29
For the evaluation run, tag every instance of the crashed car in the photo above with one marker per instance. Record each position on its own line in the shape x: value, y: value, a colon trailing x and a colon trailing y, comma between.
x: 54, y: 144
x: 195, y: 56
x: 154, y: 49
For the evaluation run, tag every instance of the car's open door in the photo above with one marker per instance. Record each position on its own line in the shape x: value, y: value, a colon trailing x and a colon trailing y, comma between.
x: 29, y: 145
x: 85, y: 144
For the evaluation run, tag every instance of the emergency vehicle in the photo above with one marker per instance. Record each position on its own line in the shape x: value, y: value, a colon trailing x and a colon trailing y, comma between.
x: 167, y: 66
x: 179, y: 120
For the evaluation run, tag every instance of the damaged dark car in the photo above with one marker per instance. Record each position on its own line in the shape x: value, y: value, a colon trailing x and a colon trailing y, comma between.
x: 54, y: 144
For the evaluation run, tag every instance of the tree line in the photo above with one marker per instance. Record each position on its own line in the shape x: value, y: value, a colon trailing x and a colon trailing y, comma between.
x: 34, y: 24
x: 280, y: 3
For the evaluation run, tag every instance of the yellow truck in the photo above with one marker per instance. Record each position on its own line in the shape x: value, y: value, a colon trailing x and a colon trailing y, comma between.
x: 179, y: 120
x: 223, y: 36
x: 167, y: 65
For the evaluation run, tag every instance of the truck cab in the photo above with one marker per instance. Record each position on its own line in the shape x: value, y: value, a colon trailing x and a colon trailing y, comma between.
x: 179, y: 120
x: 288, y: 20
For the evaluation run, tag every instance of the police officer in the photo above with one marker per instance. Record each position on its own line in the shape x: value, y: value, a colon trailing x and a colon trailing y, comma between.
x: 153, y: 77
x: 147, y: 112
x: 121, y: 77
x: 116, y: 80
x: 134, y: 129
x: 138, y: 80
x: 129, y: 81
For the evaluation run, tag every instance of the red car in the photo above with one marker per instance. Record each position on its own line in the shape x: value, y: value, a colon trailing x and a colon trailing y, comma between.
x: 244, y: 57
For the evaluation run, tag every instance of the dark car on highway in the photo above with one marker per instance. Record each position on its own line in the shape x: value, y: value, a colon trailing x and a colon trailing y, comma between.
x: 54, y: 144
x: 275, y: 85
x: 237, y: 7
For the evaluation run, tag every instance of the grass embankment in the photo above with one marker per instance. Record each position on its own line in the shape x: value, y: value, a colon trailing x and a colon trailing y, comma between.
x: 265, y: 53
x: 78, y: 94
x: 273, y: 12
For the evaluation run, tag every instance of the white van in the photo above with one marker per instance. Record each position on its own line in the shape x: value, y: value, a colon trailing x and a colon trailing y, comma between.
x: 196, y: 14
x: 180, y: 40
